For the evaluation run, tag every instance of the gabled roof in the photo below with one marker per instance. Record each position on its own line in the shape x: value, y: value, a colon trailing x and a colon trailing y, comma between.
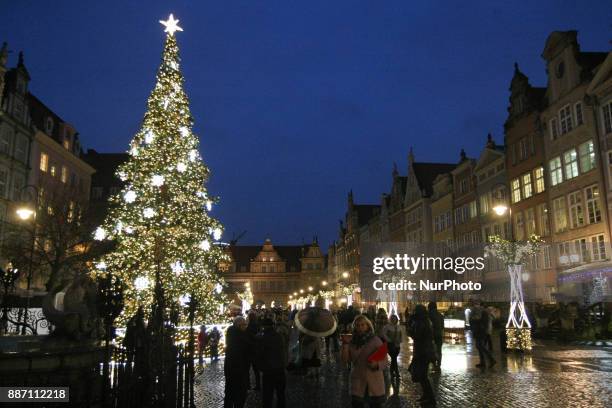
x: 426, y: 174
x: 365, y: 212
x: 242, y: 255
x: 39, y: 112
x: 590, y: 60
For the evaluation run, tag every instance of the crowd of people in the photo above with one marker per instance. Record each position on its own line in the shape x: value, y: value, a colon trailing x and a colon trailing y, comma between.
x: 268, y: 343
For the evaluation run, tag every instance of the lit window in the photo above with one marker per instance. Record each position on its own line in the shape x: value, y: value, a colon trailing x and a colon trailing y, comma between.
x: 544, y: 221
x: 592, y: 204
x: 44, y: 162
x: 598, y: 248
x: 519, y: 226
x: 527, y: 187
x: 575, y: 209
x: 560, y: 214
x: 64, y: 175
x: 539, y: 180
x: 530, y: 222
x: 565, y: 119
x: 570, y: 159
x: 52, y: 171
x: 556, y: 174
x: 516, y: 190
x: 587, y: 156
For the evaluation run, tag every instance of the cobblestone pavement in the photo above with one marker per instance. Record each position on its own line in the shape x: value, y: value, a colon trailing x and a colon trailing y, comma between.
x: 550, y: 376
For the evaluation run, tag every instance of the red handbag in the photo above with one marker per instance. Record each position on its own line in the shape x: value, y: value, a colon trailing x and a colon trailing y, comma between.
x: 380, y: 354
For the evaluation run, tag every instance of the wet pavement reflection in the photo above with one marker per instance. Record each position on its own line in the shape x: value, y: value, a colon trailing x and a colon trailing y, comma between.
x: 550, y: 376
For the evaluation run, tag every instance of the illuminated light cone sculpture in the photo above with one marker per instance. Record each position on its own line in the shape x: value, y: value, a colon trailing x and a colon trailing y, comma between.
x: 159, y: 223
x: 514, y: 255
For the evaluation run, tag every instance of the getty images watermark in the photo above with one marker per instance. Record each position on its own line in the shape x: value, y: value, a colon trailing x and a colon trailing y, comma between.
x: 431, y: 271
x: 403, y: 264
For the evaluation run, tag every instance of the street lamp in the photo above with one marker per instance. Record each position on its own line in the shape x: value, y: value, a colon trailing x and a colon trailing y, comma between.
x: 310, y: 288
x: 345, y: 275
x: 324, y: 283
x: 25, y: 212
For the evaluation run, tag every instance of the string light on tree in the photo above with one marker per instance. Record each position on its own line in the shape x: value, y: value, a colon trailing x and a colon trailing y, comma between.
x: 129, y: 196
x: 99, y: 234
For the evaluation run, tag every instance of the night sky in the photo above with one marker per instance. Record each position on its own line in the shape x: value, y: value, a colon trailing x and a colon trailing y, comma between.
x: 295, y: 102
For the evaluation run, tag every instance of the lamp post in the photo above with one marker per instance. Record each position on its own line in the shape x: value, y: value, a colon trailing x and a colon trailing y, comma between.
x: 8, y: 278
x: 25, y: 212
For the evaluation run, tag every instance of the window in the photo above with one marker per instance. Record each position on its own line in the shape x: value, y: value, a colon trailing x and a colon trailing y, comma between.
x: 565, y: 119
x: 527, y: 188
x: 96, y: 193
x: 49, y: 126
x: 66, y: 142
x: 556, y: 174
x: 544, y: 221
x: 5, y: 141
x: 575, y: 209
x: 64, y: 175
x: 530, y: 222
x: 570, y: 159
x: 52, y: 171
x: 560, y: 215
x: 71, y: 207
x: 592, y: 204
x: 463, y: 186
x: 458, y: 218
x: 539, y: 180
x: 610, y: 169
x: 21, y: 149
x: 44, y: 162
x: 523, y: 149
x: 519, y: 226
x: 607, y: 117
x: 473, y: 209
x: 546, y: 256
x: 598, y: 248
x: 18, y: 184
x: 516, y: 190
x: 484, y: 203
x: 587, y: 156
x: 554, y: 130
x: 581, y: 249
x: 3, y: 182
x: 579, y: 118
x: 448, y: 219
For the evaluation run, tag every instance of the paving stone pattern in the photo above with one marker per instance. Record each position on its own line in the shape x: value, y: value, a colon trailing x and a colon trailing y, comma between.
x: 550, y: 376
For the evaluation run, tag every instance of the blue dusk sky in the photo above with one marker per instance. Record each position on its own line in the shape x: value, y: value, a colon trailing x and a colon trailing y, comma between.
x: 296, y: 103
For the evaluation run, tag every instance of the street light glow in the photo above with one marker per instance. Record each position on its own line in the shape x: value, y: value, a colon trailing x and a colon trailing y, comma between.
x: 25, y: 213
x: 500, y: 209
x: 345, y: 274
x: 324, y: 283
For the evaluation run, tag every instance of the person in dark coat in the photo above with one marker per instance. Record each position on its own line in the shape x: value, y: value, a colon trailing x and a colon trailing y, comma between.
x: 271, y: 359
x: 236, y: 368
x: 479, y: 324
x: 253, y: 330
x: 437, y: 327
x: 419, y: 328
x: 213, y: 339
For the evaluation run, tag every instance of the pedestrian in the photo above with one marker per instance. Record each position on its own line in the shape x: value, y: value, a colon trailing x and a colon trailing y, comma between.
x: 437, y: 327
x: 423, y: 352
x: 236, y: 367
x: 479, y: 323
x: 202, y: 343
x: 367, y: 381
x: 271, y: 359
x: 381, y: 321
x: 371, y: 313
x: 213, y: 340
x: 253, y: 331
x: 310, y: 352
x: 488, y: 337
x: 393, y: 336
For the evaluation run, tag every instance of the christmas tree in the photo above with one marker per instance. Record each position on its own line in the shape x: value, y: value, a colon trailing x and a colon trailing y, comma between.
x: 159, y: 223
